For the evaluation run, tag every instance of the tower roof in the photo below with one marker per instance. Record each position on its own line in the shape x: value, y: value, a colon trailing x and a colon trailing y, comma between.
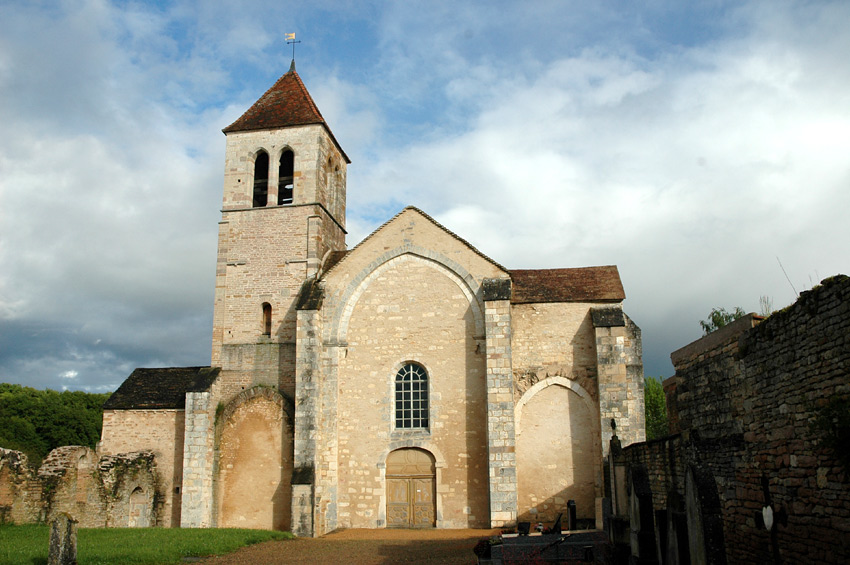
x: 286, y: 104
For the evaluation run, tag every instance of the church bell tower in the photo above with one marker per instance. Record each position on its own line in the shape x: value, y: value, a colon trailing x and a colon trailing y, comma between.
x: 283, y: 214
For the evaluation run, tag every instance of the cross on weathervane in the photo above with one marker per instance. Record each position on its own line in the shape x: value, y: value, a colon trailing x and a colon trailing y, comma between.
x: 290, y: 40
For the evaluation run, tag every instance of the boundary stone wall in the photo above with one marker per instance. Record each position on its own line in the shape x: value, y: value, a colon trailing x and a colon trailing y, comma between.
x: 743, y: 406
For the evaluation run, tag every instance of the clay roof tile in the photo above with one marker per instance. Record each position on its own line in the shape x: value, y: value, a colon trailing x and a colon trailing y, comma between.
x: 587, y: 284
x: 286, y: 104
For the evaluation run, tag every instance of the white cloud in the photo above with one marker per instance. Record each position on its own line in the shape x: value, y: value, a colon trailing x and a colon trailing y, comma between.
x: 690, y: 146
x: 693, y: 171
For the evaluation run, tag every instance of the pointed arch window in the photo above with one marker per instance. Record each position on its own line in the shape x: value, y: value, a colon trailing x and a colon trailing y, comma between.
x: 411, y: 397
x: 267, y: 318
x: 261, y: 180
x: 286, y: 176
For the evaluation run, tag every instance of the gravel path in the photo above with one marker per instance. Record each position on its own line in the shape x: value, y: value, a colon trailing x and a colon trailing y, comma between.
x: 365, y: 547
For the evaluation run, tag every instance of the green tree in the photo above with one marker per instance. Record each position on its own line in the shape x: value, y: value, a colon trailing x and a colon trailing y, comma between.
x: 37, y: 421
x: 719, y: 317
x: 655, y: 408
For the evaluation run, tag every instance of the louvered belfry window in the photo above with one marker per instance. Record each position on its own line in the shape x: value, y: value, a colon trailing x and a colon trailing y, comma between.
x: 261, y: 180
x: 411, y: 397
x: 286, y: 182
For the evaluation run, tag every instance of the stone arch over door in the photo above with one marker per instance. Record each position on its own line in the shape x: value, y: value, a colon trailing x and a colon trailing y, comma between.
x: 558, y: 454
x: 411, y: 489
x: 255, y: 453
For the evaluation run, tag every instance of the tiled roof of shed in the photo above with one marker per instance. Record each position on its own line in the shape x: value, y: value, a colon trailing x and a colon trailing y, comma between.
x: 151, y: 389
x: 587, y: 284
x: 287, y: 103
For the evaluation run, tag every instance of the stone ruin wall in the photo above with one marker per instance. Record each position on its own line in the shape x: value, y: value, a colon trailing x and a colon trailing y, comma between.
x: 110, y: 491
x: 160, y: 431
x: 742, y: 405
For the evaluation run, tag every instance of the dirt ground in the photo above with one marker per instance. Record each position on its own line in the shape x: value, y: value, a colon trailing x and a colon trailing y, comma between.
x: 365, y: 547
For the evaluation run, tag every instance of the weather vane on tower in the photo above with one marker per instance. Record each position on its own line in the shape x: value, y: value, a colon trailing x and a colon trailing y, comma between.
x: 290, y: 40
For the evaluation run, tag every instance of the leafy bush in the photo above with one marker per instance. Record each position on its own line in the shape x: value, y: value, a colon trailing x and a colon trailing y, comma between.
x: 655, y: 408
x: 719, y: 317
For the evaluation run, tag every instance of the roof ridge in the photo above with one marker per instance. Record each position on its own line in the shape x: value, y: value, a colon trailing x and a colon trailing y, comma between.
x: 307, y: 94
x: 561, y: 268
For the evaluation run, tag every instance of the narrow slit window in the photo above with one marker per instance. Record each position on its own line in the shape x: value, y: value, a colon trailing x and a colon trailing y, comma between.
x: 267, y: 318
x: 286, y: 177
x: 261, y: 180
x: 411, y: 397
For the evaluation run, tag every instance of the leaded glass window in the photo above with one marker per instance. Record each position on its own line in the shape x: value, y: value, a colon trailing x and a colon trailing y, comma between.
x: 411, y: 397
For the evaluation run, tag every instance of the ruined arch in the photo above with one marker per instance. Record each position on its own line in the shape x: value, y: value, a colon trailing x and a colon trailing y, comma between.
x: 558, y: 451
x: 139, y: 505
x: 254, y: 455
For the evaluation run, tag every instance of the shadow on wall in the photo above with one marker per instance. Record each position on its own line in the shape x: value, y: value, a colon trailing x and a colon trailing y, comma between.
x: 477, y: 469
x: 557, y: 455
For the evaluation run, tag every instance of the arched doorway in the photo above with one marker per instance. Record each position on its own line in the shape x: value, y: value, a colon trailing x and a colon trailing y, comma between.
x: 411, y: 489
x: 139, y: 509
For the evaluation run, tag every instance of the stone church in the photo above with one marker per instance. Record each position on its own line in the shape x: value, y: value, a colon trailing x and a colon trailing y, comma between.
x: 409, y: 381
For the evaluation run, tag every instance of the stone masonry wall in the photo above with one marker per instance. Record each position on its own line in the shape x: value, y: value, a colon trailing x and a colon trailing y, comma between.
x: 744, y: 401
x: 553, y: 339
x: 395, y: 239
x: 262, y: 259
x: 20, y: 490
x: 198, y: 445
x: 557, y: 451
x: 417, y: 311
x: 620, y: 376
x: 152, y: 430
x: 307, y: 430
x: 500, y: 414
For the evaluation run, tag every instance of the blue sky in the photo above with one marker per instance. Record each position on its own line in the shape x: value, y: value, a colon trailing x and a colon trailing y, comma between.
x: 693, y: 144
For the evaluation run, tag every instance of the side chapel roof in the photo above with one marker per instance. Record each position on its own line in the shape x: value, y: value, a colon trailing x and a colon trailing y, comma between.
x: 151, y: 389
x: 585, y: 284
x: 286, y: 104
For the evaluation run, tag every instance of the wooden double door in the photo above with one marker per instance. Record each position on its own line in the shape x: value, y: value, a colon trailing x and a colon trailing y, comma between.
x: 411, y: 489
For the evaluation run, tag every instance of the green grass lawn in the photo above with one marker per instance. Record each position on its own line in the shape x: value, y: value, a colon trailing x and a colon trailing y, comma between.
x: 27, y: 545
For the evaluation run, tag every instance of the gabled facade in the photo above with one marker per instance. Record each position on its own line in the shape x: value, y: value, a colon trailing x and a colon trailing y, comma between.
x: 411, y: 381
